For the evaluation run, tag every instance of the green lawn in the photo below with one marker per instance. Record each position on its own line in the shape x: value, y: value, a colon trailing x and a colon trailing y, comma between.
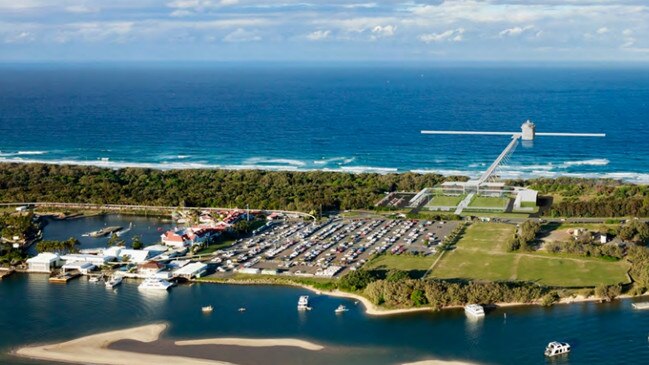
x: 488, y: 202
x: 401, y: 262
x: 481, y: 254
x: 568, y: 272
x: 445, y: 201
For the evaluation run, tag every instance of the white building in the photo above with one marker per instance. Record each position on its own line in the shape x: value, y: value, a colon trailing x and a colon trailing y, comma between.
x: 525, y: 196
x: 189, y: 271
x: 134, y: 256
x: 83, y: 267
x: 96, y: 260
x: 528, y: 130
x: 43, y: 262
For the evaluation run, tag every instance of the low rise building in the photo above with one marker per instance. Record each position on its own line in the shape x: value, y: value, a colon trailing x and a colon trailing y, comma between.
x: 190, y: 271
x: 43, y: 262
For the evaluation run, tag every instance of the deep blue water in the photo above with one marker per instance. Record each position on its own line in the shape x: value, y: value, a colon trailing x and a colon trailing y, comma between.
x: 307, y: 117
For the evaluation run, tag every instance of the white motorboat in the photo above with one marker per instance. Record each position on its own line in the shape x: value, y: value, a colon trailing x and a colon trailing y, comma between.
x: 114, y: 281
x: 242, y: 309
x: 474, y: 310
x: 341, y: 309
x: 303, y: 303
x: 93, y: 279
x: 555, y: 348
x: 155, y: 284
x: 207, y: 309
x: 641, y: 305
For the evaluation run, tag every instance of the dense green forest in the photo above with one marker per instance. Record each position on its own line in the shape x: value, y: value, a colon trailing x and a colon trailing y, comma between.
x: 302, y: 191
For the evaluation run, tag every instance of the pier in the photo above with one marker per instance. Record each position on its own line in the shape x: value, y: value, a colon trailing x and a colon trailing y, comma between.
x: 105, y: 231
x: 64, y: 277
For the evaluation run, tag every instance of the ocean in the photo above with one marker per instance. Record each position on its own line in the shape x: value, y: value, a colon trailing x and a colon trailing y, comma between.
x: 341, y: 118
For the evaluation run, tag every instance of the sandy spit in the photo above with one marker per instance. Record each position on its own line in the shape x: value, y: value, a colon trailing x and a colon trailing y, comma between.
x: 251, y: 342
x: 93, y: 349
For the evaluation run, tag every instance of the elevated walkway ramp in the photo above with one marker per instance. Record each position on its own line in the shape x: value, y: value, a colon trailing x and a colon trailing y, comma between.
x: 464, y: 203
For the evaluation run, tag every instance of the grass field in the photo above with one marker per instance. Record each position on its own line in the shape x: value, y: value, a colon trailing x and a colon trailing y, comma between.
x: 481, y: 254
x: 488, y: 202
x: 445, y: 201
x: 401, y: 262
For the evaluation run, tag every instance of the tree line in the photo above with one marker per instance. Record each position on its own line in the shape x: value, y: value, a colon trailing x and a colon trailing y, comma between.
x: 304, y: 191
x: 307, y: 191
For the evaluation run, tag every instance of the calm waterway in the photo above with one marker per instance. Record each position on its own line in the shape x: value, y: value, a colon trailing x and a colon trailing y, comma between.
x: 34, y: 311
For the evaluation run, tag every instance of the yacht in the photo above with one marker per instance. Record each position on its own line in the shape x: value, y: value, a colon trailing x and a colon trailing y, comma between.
x: 303, y: 303
x: 641, y: 305
x: 207, y: 309
x: 114, y: 281
x: 341, y: 308
x: 474, y: 310
x: 557, y: 348
x: 93, y: 279
x: 155, y: 284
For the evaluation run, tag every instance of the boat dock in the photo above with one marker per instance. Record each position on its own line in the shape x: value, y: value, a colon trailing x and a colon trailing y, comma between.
x: 105, y: 231
x: 64, y: 277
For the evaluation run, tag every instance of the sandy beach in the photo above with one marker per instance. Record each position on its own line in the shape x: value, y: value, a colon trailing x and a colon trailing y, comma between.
x: 251, y: 342
x: 93, y: 349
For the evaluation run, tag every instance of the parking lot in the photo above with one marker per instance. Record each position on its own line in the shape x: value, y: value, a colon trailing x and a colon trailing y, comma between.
x: 330, y: 248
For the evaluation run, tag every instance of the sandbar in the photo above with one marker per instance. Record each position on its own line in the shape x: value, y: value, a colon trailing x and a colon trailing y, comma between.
x: 252, y: 342
x: 93, y: 349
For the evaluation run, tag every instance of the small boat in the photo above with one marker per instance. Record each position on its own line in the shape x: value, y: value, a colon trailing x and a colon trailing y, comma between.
x: 642, y: 305
x: 474, y: 310
x: 120, y: 233
x: 207, y: 309
x: 303, y: 303
x: 242, y: 309
x: 114, y: 281
x: 93, y: 279
x: 155, y: 284
x: 555, y: 348
x: 341, y: 308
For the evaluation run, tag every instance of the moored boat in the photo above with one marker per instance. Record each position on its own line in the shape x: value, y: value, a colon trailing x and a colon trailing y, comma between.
x: 474, y: 310
x: 641, y: 305
x: 114, y: 281
x: 303, y: 303
x: 341, y: 309
x: 155, y: 284
x: 555, y: 348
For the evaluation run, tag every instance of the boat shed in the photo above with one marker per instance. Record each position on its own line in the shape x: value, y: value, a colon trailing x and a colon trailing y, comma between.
x: 43, y: 262
x: 190, y: 271
x: 83, y: 267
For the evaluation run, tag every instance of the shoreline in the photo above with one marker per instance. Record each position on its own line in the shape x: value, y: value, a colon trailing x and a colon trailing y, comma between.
x: 374, y: 310
x: 632, y: 177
